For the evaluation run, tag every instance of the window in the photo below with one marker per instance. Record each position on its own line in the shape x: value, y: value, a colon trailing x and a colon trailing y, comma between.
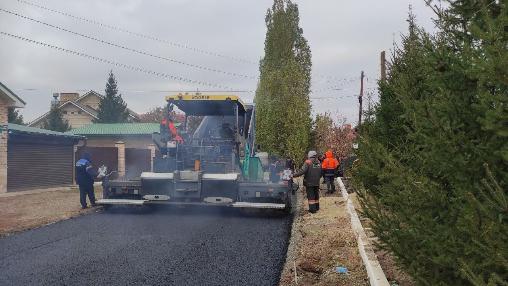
x: 72, y: 112
x: 65, y: 112
x: 79, y: 112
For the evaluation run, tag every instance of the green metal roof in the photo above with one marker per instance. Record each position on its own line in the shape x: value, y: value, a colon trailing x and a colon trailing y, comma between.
x: 104, y: 129
x: 17, y: 129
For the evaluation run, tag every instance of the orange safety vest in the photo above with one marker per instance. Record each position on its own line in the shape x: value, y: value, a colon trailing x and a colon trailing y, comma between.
x: 172, y: 129
x: 329, y: 163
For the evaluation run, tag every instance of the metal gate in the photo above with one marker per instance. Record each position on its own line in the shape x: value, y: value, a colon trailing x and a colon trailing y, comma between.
x: 136, y: 162
x: 37, y: 165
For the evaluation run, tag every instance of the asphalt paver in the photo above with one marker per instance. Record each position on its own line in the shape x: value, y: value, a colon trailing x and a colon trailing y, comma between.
x: 166, y: 246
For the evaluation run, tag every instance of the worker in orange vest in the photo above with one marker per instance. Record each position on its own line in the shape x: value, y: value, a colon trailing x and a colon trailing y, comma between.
x: 171, y: 128
x: 330, y: 166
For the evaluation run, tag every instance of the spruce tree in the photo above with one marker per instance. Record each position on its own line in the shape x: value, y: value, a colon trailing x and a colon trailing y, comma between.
x: 55, y: 121
x: 112, y: 108
x: 13, y: 116
x: 433, y: 176
x: 282, y: 97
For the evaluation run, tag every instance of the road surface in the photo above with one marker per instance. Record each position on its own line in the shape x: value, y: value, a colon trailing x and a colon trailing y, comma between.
x: 166, y: 247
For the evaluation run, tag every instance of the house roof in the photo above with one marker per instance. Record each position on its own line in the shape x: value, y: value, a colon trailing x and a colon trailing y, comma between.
x: 22, y: 129
x: 89, y: 93
x: 18, y: 102
x: 87, y: 109
x: 92, y: 92
x: 106, y: 129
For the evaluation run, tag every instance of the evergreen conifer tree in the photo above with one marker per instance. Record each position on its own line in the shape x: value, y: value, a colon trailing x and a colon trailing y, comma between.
x: 282, y: 97
x: 13, y: 116
x: 55, y: 121
x: 442, y: 119
x: 112, y: 108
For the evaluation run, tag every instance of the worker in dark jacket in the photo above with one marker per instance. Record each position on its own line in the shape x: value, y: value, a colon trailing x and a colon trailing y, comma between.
x: 330, y: 166
x: 311, y: 170
x: 85, y: 175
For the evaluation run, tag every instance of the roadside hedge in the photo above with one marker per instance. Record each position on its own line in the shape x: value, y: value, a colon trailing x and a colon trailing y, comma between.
x: 433, y: 162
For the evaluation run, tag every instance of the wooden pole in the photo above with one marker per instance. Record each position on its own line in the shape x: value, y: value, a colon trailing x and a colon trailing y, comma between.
x: 360, y: 99
x: 383, y: 66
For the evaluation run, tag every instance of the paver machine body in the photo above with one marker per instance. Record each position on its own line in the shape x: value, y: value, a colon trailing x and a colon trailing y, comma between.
x: 217, y: 165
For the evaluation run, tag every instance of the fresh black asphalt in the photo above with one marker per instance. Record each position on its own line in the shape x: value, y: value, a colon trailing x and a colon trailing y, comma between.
x: 168, y: 246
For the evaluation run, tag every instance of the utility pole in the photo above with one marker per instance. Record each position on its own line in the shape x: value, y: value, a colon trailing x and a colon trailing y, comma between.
x: 360, y: 99
x: 383, y: 66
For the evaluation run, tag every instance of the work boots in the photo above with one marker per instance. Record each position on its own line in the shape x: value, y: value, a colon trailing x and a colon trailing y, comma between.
x: 313, y: 208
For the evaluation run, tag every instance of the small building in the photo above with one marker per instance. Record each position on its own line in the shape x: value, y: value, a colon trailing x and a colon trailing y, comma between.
x: 39, y: 158
x: 124, y: 147
x: 7, y: 100
x: 78, y: 110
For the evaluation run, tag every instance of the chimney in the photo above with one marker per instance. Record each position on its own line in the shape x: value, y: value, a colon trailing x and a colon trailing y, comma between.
x: 68, y: 96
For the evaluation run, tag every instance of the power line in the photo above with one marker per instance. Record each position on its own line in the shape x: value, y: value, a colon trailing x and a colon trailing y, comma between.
x: 129, y: 49
x: 118, y: 64
x: 154, y: 38
x: 142, y: 91
x: 145, y: 36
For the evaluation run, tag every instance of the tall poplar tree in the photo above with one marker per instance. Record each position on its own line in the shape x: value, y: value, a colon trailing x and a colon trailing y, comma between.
x: 282, y: 97
x: 112, y: 108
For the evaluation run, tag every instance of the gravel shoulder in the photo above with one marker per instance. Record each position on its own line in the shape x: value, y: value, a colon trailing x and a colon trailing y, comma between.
x: 319, y: 243
x: 19, y: 212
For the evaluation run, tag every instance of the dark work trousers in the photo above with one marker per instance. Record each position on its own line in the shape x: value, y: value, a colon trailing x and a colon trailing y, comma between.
x: 85, y: 190
x: 313, y: 198
x: 330, y: 183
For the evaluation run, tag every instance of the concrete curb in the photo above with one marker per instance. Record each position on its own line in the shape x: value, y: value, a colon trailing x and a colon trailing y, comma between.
x: 295, y: 236
x: 376, y: 275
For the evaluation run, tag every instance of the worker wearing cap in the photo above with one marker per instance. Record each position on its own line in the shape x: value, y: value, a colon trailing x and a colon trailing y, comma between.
x: 85, y: 175
x: 330, y: 166
x: 311, y: 170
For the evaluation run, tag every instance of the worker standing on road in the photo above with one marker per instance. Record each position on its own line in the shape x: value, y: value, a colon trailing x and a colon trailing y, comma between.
x: 311, y: 170
x: 85, y: 175
x: 330, y: 165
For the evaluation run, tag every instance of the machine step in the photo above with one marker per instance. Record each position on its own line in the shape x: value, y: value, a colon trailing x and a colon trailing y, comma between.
x: 258, y: 205
x: 120, y: 202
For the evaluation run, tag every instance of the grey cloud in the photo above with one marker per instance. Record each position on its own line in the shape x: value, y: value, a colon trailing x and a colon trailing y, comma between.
x: 345, y: 37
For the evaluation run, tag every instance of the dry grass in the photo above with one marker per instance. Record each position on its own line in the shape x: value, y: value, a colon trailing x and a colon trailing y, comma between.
x: 326, y: 241
x: 22, y: 212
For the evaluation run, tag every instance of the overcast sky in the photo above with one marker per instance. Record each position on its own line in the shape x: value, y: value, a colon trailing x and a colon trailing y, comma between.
x: 345, y: 37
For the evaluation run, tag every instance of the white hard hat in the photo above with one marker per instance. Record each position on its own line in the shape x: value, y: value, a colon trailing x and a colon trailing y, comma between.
x: 312, y: 154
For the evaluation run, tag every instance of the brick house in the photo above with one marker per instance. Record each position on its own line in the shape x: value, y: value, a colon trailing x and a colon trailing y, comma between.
x: 125, y: 147
x: 78, y: 110
x: 7, y: 99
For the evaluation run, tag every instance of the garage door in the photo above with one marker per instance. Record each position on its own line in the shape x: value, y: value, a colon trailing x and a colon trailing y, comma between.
x: 34, y: 166
x: 107, y: 156
x: 136, y: 162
